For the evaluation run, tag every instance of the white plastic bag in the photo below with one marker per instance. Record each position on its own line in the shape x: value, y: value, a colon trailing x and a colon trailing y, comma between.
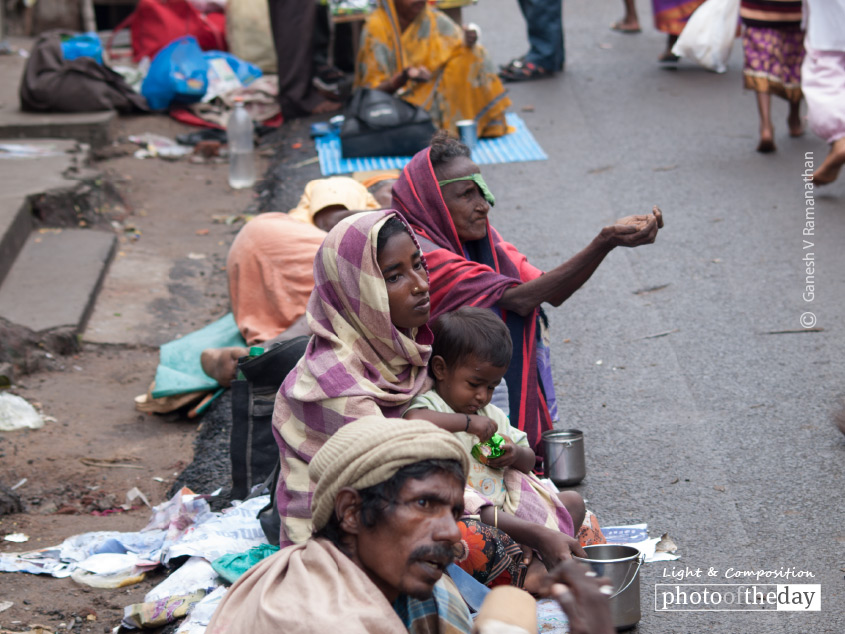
x: 16, y: 413
x: 709, y: 34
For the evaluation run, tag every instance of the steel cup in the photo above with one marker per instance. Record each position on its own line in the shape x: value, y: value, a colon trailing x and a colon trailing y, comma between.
x: 468, y: 131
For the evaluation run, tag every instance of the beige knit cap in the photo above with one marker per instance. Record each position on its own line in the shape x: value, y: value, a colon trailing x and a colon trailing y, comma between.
x: 370, y: 451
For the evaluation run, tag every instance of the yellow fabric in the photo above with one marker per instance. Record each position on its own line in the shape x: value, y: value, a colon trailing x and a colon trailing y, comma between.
x: 465, y: 80
x: 326, y: 192
x: 764, y: 83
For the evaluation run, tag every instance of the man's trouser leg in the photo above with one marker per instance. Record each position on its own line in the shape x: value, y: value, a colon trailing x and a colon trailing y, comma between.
x: 544, y: 19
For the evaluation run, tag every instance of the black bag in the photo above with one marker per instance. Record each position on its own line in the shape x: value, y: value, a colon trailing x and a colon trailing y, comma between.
x: 253, y: 450
x: 379, y: 124
x: 50, y: 83
x: 268, y: 516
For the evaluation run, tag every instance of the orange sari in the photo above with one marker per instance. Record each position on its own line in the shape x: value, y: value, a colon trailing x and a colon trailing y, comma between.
x: 464, y: 84
x: 670, y: 16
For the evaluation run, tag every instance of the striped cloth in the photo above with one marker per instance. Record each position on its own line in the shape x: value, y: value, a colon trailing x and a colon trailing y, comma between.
x: 356, y: 364
x: 771, y: 13
x: 528, y: 499
x: 476, y: 277
x: 444, y: 613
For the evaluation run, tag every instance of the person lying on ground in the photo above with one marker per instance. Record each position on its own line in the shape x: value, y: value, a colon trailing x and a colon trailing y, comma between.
x: 368, y: 354
x: 444, y: 197
x: 418, y: 53
x: 381, y: 187
x: 387, y: 494
x: 270, y: 268
x: 470, y: 354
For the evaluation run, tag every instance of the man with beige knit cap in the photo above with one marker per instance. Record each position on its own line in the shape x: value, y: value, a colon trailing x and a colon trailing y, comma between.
x: 388, y: 495
x: 384, y: 514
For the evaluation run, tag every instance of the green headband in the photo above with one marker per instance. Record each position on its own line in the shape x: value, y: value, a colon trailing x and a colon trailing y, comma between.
x: 478, y: 180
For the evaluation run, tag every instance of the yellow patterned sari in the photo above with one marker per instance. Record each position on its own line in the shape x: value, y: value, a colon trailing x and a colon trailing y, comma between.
x: 464, y: 84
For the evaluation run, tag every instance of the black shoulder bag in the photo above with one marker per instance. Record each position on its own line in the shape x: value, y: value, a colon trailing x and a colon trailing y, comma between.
x: 379, y: 124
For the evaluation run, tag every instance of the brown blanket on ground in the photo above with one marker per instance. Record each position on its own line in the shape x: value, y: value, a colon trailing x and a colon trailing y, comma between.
x: 50, y: 83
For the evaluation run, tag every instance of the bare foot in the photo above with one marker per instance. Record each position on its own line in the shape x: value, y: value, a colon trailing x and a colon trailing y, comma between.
x: 796, y: 126
x: 767, y: 141
x: 221, y: 364
x: 668, y: 57
x: 327, y: 106
x: 833, y: 162
x: 626, y: 26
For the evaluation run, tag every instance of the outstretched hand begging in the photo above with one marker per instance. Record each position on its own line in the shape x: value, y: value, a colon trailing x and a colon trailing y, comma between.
x: 633, y: 231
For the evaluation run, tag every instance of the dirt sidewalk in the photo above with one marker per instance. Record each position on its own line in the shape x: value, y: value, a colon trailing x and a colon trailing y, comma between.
x: 168, y: 279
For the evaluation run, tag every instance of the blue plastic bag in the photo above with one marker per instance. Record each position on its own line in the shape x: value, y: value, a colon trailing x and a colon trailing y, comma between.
x: 178, y: 74
x: 246, y: 72
x: 82, y: 45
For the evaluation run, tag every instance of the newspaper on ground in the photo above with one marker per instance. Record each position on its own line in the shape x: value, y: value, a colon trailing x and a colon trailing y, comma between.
x: 636, y: 535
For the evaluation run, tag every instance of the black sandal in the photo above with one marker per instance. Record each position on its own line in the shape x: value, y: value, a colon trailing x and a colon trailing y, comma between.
x: 519, y: 70
x: 512, y: 65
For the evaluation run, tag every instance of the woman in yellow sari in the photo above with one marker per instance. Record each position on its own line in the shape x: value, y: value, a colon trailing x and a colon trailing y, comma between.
x: 419, y: 54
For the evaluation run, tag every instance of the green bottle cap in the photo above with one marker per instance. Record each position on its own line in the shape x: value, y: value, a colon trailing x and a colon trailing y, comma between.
x: 256, y: 351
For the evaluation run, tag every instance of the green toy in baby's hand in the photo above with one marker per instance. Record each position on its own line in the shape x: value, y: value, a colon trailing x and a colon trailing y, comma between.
x: 490, y: 450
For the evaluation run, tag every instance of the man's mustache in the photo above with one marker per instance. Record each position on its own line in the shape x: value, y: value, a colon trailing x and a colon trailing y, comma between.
x: 439, y: 553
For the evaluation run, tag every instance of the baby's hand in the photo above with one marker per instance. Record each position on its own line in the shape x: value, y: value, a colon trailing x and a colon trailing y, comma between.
x: 507, y: 458
x: 482, y: 427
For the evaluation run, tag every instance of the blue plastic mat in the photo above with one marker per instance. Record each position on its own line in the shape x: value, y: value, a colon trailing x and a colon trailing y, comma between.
x: 511, y: 148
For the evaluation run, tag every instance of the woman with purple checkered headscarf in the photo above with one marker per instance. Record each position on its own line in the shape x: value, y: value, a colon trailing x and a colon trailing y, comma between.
x: 368, y: 355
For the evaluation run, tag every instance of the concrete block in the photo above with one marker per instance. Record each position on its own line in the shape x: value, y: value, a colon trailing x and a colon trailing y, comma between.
x: 24, y: 177
x: 55, y: 279
x: 138, y: 280
x: 94, y: 128
x: 15, y: 225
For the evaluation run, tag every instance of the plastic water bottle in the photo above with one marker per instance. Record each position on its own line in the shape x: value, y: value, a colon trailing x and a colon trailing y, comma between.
x: 241, y: 149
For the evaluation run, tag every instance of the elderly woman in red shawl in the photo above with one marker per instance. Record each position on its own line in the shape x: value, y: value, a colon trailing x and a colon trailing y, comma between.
x: 442, y: 194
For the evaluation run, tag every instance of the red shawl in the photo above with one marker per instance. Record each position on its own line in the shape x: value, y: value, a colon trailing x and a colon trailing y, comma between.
x: 476, y: 273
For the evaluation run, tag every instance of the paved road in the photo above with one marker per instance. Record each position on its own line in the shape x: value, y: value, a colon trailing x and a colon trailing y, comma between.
x: 718, y: 433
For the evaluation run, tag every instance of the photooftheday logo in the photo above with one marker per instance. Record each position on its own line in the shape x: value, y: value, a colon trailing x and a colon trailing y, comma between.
x: 697, y: 597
